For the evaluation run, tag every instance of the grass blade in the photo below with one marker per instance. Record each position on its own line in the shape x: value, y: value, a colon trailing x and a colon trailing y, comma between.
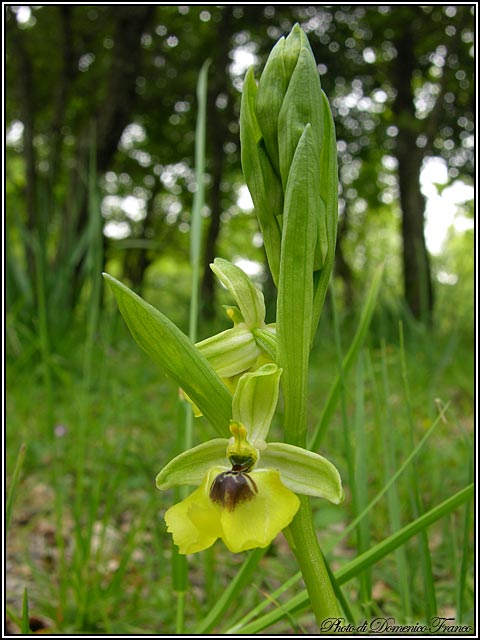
x: 399, y: 538
x: 365, y: 560
x: 417, y: 507
x: 351, y: 527
x: 14, y: 483
x: 360, y: 485
x: 232, y: 592
x: 349, y: 359
x: 387, y: 432
x: 184, y: 436
x: 25, y: 626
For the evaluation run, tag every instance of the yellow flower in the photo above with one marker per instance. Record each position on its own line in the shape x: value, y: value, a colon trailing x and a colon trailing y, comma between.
x: 245, y: 510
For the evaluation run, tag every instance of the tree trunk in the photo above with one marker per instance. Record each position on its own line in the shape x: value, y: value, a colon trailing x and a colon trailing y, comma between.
x: 342, y: 268
x: 416, y: 264
x: 112, y: 116
x: 137, y: 260
x: 27, y: 100
x: 216, y: 134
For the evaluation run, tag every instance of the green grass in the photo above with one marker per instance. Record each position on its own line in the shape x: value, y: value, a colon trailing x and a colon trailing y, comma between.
x: 88, y: 541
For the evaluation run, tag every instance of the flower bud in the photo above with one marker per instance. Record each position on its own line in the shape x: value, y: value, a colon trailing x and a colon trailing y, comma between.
x: 273, y: 119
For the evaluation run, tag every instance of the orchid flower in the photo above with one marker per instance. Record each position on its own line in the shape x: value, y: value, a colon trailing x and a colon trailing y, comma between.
x: 246, y: 493
x: 250, y: 343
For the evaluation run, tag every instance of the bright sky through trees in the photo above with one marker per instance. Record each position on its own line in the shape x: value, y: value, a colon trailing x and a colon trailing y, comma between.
x: 441, y: 210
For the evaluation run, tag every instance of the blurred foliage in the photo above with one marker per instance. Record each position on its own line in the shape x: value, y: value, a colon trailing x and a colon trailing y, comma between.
x: 124, y: 81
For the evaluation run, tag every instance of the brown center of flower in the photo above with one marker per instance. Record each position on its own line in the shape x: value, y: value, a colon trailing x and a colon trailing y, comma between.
x: 231, y: 488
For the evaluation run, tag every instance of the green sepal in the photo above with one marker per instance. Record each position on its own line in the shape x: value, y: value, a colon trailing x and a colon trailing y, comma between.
x: 255, y: 400
x: 304, y: 471
x: 191, y: 466
x: 266, y: 339
x: 249, y: 299
x: 272, y: 86
x: 230, y: 352
x: 175, y: 354
x: 302, y: 105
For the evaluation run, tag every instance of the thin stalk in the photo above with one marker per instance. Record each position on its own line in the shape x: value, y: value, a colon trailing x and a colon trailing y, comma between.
x: 312, y: 564
x: 43, y: 331
x: 467, y: 531
x: 343, y: 403
x: 85, y: 507
x: 94, y: 261
x: 199, y: 197
x: 180, y: 566
x: 360, y: 484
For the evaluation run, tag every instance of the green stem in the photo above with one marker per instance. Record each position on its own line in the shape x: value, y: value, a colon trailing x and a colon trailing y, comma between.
x: 312, y: 564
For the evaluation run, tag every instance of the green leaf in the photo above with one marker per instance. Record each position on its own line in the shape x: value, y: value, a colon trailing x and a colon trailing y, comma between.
x: 255, y: 400
x: 248, y: 298
x: 262, y: 180
x: 191, y: 466
x: 304, y: 472
x: 295, y: 292
x: 176, y: 355
x: 328, y: 220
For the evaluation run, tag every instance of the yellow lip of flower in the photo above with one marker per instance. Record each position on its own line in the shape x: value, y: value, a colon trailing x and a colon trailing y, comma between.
x: 264, y: 510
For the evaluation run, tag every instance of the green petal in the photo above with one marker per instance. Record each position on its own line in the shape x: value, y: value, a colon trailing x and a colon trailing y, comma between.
x: 230, y: 352
x: 303, y: 471
x: 191, y: 466
x: 195, y: 522
x: 248, y: 298
x: 255, y: 400
x: 256, y: 522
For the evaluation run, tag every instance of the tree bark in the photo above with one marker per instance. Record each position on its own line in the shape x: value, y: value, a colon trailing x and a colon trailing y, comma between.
x: 416, y: 263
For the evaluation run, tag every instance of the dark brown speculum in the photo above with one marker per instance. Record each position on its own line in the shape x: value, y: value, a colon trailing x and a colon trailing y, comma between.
x: 231, y: 488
